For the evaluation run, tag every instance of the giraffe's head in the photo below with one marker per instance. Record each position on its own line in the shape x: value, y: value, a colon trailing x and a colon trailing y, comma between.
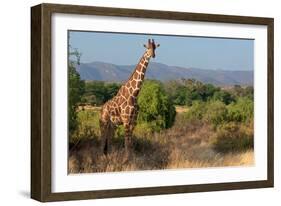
x: 151, y: 47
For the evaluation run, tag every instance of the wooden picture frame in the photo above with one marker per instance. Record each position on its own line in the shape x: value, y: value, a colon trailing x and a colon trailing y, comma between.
x: 41, y: 171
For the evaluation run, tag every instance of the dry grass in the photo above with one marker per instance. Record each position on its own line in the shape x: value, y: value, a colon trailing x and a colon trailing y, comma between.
x: 185, y: 145
x: 86, y: 158
x: 212, y: 159
x: 89, y: 107
x: 181, y: 109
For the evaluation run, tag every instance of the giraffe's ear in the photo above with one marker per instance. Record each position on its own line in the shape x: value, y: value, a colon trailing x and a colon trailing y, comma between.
x: 158, y: 45
x: 145, y: 45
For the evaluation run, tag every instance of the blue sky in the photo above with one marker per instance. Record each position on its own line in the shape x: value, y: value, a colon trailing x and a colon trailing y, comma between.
x: 198, y: 52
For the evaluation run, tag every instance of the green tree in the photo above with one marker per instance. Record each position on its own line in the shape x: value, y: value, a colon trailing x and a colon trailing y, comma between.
x: 209, y: 91
x: 186, y: 91
x: 155, y: 106
x: 98, y: 92
x: 76, y: 88
x: 223, y: 96
x: 111, y: 90
x: 182, y: 96
x: 95, y: 92
x: 178, y: 92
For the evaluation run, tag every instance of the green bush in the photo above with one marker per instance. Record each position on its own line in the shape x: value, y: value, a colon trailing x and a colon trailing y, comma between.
x: 197, y: 111
x: 215, y: 113
x: 87, y: 126
x: 145, y: 129
x: 155, y: 106
x: 241, y: 111
x: 233, y: 137
x: 120, y: 132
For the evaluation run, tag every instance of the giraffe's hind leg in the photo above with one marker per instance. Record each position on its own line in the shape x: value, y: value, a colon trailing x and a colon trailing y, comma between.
x: 107, y: 132
x: 104, y: 134
x: 111, y: 131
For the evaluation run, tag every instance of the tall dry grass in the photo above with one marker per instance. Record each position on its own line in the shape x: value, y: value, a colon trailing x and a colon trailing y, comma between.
x: 185, y: 145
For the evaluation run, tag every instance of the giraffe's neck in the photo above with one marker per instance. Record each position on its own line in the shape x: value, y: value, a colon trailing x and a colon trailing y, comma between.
x: 137, y: 77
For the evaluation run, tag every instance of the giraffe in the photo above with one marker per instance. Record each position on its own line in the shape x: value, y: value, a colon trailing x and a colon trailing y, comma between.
x: 123, y: 108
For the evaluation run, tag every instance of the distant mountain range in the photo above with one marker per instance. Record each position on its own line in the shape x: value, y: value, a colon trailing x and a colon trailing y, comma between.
x: 118, y: 73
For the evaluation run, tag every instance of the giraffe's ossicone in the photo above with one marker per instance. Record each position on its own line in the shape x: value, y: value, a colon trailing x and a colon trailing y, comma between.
x: 123, y: 108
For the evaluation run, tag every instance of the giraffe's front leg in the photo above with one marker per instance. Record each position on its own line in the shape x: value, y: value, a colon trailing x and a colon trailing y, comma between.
x: 128, y: 141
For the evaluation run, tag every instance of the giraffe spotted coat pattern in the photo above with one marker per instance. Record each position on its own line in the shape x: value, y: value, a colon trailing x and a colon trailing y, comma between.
x: 123, y: 108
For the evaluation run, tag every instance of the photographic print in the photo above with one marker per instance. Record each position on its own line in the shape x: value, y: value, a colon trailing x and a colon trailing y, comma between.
x: 130, y: 102
x: 155, y: 102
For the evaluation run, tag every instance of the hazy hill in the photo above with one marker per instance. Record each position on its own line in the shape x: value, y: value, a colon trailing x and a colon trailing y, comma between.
x: 110, y: 72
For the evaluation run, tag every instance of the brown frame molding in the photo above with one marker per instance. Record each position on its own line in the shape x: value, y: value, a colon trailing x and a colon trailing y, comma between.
x: 41, y: 101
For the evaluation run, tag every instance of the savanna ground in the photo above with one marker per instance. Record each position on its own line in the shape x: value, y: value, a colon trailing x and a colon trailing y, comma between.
x: 189, y: 143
